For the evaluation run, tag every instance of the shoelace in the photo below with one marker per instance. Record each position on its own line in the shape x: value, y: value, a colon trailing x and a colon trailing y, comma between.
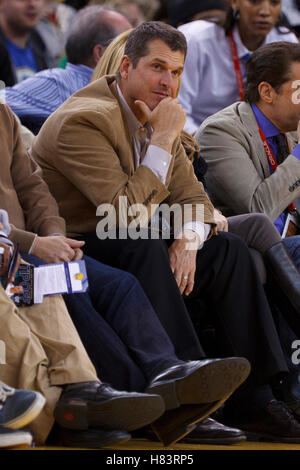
x: 4, y: 393
x: 284, y: 411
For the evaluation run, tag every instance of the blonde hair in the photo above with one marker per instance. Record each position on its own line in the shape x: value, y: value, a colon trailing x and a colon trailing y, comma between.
x: 109, y: 63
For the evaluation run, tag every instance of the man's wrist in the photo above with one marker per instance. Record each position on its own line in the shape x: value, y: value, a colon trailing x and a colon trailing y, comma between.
x: 163, y: 140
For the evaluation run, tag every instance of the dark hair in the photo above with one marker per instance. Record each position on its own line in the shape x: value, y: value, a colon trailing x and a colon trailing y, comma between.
x: 138, y: 40
x: 90, y: 27
x: 270, y: 63
x: 183, y: 11
x: 232, y: 17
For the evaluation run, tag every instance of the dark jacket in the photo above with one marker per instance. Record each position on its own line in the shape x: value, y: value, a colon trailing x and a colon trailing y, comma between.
x: 7, y: 72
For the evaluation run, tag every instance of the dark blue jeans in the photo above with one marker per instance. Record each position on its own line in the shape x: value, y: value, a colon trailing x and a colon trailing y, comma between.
x: 118, y: 327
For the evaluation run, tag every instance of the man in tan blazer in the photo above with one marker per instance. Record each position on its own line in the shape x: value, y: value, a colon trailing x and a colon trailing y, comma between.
x: 115, y: 144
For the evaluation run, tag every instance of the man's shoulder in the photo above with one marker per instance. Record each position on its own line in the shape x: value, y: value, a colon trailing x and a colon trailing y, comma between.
x: 199, y: 28
x: 93, y: 106
x: 8, y: 123
x: 281, y: 34
x: 96, y: 97
x: 232, y: 118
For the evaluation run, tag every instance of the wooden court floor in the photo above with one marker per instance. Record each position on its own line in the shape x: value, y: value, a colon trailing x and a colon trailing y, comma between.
x: 142, y: 444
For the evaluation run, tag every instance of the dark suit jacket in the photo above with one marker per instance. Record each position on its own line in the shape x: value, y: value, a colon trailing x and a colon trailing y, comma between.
x: 7, y: 73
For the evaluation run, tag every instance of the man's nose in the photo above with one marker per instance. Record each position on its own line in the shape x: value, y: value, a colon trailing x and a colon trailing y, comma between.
x: 166, y: 78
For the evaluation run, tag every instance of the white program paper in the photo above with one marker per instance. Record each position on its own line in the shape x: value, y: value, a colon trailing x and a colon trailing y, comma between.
x: 51, y: 279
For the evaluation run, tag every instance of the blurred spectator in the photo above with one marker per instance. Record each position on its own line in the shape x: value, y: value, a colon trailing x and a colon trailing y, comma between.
x: 136, y: 11
x: 20, y: 41
x: 215, y: 68
x: 291, y: 9
x: 53, y: 28
x: 184, y: 11
x: 77, y: 4
x: 36, y: 98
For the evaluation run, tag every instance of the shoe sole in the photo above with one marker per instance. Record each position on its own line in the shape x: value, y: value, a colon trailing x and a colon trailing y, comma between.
x: 29, y: 415
x: 16, y: 440
x: 124, y: 413
x: 82, y: 442
x: 214, y: 441
x: 209, y: 383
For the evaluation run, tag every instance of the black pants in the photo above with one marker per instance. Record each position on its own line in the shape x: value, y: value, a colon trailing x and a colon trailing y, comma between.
x: 225, y: 278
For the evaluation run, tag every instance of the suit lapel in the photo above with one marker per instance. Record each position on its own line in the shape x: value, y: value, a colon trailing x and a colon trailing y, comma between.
x: 257, y: 147
x: 126, y: 155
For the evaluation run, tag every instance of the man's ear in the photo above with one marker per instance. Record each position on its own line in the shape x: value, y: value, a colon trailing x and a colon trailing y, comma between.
x: 266, y: 92
x: 97, y: 53
x: 125, y: 66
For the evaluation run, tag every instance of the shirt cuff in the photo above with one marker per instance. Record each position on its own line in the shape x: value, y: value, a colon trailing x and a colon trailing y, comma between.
x: 200, y: 228
x: 296, y: 151
x: 32, y: 245
x: 158, y: 161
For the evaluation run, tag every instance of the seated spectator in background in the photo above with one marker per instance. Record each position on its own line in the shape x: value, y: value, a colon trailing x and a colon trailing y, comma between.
x: 109, y: 63
x: 37, y: 97
x: 291, y: 10
x: 105, y: 128
x: 245, y: 143
x: 185, y: 11
x: 20, y: 40
x: 78, y: 4
x: 215, y: 65
x: 53, y: 28
x: 136, y: 11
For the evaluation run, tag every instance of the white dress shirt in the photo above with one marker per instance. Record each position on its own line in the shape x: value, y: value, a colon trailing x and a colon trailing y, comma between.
x: 209, y: 81
x: 155, y: 158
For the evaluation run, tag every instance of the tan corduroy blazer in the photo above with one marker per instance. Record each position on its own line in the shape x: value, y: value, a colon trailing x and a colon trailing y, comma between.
x: 238, y: 177
x: 23, y: 193
x: 87, y: 159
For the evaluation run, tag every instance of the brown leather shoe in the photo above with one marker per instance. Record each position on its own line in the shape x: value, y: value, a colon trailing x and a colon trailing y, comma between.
x: 210, y: 431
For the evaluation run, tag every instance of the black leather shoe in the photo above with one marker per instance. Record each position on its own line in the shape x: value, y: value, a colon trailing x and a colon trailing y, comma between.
x: 89, y: 439
x: 210, y: 431
x: 91, y: 404
x: 274, y: 423
x: 198, y: 382
x: 289, y: 391
x: 207, y: 431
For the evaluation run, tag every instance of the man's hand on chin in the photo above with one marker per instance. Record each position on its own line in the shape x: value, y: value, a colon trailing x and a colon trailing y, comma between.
x: 167, y: 120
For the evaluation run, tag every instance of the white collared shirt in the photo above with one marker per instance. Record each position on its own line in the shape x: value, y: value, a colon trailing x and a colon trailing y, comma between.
x: 155, y: 158
x: 209, y: 81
